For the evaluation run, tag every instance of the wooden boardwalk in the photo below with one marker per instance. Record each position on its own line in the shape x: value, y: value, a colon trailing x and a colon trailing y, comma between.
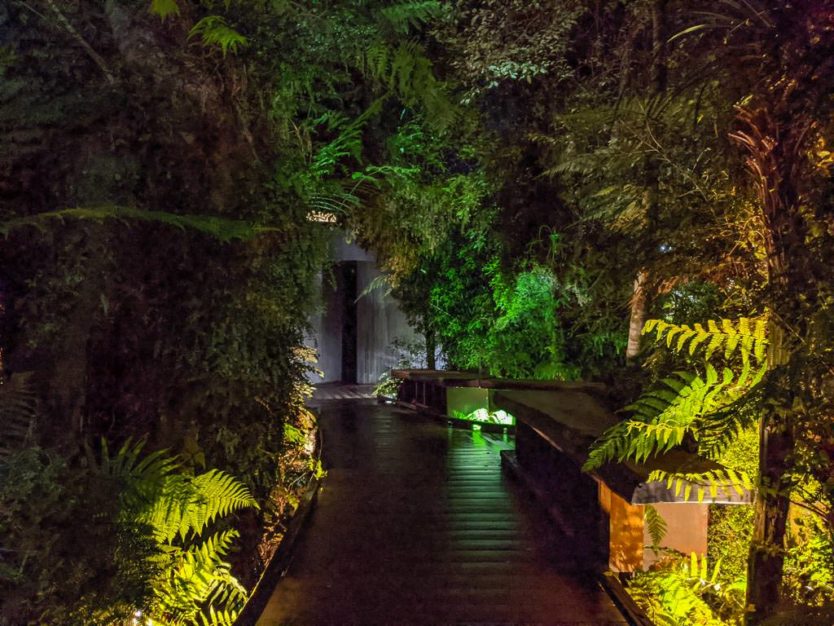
x: 417, y: 525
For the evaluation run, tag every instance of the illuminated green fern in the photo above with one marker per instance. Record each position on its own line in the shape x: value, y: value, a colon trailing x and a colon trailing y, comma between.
x: 406, y: 71
x: 683, y: 484
x: 213, y: 30
x: 195, y: 584
x: 708, y: 408
x: 655, y: 525
x: 663, y: 416
x: 746, y: 337
x: 164, y: 8
x: 200, y: 576
x: 406, y: 16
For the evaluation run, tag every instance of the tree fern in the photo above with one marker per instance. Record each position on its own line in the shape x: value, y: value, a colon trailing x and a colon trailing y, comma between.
x: 709, y: 408
x: 663, y: 416
x: 747, y: 337
x: 683, y: 483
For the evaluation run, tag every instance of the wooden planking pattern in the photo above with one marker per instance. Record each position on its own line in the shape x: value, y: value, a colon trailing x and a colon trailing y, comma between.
x: 416, y: 524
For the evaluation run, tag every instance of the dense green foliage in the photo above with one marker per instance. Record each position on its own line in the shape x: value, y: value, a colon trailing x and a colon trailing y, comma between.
x: 536, y: 178
x: 655, y: 158
x: 158, y: 164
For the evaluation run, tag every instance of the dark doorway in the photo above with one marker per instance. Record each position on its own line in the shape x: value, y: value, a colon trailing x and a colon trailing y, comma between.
x: 347, y: 277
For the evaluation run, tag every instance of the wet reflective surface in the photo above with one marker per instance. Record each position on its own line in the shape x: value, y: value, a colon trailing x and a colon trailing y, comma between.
x: 417, y: 524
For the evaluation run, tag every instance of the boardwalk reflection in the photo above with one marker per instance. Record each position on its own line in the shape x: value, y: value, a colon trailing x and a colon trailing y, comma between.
x: 416, y: 524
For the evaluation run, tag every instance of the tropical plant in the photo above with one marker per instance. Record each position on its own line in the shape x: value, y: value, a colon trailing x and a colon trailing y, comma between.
x: 706, y: 409
x: 194, y: 584
x: 680, y: 591
x: 387, y: 386
x: 655, y: 525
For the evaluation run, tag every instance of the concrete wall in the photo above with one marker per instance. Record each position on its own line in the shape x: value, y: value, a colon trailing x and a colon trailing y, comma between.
x: 379, y: 319
x: 326, y: 333
x: 686, y: 529
x: 379, y: 322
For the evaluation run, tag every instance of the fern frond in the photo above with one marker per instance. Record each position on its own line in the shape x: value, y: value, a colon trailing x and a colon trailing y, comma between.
x: 703, y: 483
x: 188, y: 504
x: 664, y: 415
x: 164, y: 8
x: 346, y: 145
x: 201, y: 578
x: 655, y: 524
x: 747, y: 337
x: 213, y: 30
x: 405, y: 16
x: 408, y: 72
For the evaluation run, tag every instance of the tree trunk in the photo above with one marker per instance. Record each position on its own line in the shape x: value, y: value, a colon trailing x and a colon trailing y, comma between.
x: 774, y: 140
x: 638, y: 316
x: 766, y: 558
x: 659, y: 81
x: 431, y: 348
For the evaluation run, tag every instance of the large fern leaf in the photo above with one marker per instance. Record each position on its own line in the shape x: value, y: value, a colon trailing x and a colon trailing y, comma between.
x: 747, y: 337
x: 213, y: 30
x: 188, y: 504
x: 406, y: 71
x: 662, y: 417
x: 199, y: 587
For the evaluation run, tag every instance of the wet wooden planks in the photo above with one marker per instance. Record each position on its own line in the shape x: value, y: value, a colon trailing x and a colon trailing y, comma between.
x: 417, y: 525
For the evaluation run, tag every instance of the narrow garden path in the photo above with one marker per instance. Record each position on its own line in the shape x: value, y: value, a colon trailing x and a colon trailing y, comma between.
x: 417, y: 524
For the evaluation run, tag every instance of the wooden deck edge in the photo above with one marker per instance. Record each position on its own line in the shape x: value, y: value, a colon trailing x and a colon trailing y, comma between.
x: 280, y: 561
x: 510, y: 464
x: 608, y: 580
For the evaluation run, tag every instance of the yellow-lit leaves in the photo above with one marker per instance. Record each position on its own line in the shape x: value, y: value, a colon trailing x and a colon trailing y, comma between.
x: 704, y: 483
x: 213, y: 30
x: 746, y: 337
x: 164, y: 8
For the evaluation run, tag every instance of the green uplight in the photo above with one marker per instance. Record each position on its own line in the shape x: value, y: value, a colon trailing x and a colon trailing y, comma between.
x: 482, y: 416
